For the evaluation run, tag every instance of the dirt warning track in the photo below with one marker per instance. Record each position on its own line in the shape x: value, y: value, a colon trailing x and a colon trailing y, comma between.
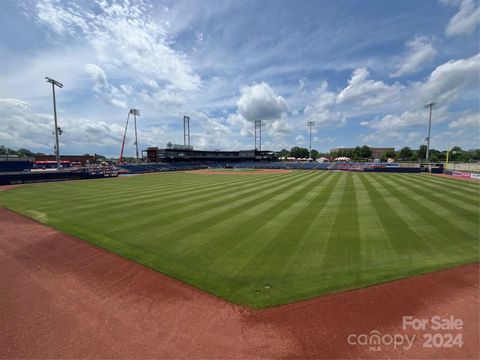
x: 64, y: 298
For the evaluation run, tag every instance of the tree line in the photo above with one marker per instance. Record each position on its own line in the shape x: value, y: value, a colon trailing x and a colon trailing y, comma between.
x: 22, y: 152
x: 455, y: 154
x: 359, y: 153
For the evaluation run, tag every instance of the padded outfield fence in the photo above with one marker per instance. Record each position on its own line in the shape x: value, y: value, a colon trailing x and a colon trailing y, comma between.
x: 370, y: 167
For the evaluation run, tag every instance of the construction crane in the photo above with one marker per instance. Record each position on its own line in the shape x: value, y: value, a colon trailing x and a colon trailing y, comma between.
x: 135, y: 113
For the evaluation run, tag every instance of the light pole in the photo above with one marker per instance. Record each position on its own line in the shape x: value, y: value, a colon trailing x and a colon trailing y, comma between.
x: 310, y: 125
x: 57, y: 129
x: 135, y: 113
x: 429, y: 128
x: 258, y: 135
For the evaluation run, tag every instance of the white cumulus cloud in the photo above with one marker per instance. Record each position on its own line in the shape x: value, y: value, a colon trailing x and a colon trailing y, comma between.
x: 363, y: 91
x: 123, y: 36
x: 466, y: 20
x: 259, y: 102
x: 450, y: 80
x: 420, y: 51
x: 109, y: 93
x: 321, y: 110
x: 470, y: 121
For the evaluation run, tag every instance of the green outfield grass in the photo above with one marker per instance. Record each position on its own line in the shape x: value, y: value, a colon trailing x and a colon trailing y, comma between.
x: 270, y: 239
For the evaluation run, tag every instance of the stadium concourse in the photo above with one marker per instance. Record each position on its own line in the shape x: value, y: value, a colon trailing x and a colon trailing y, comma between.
x: 64, y: 298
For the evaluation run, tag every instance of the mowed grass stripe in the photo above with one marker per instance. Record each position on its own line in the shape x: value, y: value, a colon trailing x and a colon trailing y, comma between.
x: 372, y: 233
x: 341, y: 253
x: 324, y: 224
x: 432, y: 247
x: 448, y: 194
x: 461, y: 185
x: 189, y: 213
x: 143, y: 195
x: 209, y: 239
x: 464, y: 222
x: 161, y: 183
x: 308, y: 219
x: 396, y: 220
x: 74, y: 193
x: 428, y: 213
x: 448, y: 203
x: 272, y: 223
x: 419, y: 220
x: 240, y: 228
x: 170, y: 207
x: 181, y: 229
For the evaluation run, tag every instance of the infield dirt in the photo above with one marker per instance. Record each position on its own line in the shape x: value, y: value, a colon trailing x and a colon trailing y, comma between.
x: 63, y: 298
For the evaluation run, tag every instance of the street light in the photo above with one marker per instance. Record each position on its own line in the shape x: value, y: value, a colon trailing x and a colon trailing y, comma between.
x: 57, y: 130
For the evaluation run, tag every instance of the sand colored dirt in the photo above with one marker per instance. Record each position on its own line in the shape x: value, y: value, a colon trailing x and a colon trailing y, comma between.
x: 8, y: 187
x: 239, y: 172
x: 64, y: 298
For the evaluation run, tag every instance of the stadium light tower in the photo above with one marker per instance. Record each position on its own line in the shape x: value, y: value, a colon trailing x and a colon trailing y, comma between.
x: 310, y: 125
x: 135, y: 113
x: 430, y: 106
x: 258, y: 135
x: 57, y: 130
x: 186, y: 130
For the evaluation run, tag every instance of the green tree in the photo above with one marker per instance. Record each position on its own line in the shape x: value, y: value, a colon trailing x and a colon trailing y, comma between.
x: 315, y: 154
x: 295, y: 152
x: 405, y: 153
x: 356, y: 153
x: 6, y: 150
x: 24, y: 153
x: 284, y: 153
x: 457, y: 154
x: 365, y: 152
x: 474, y: 154
x: 422, y: 152
x: 305, y: 153
x: 388, y: 155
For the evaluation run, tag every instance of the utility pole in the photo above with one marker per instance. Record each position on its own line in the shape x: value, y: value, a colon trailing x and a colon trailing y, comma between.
x: 430, y: 106
x: 57, y: 129
x: 310, y: 125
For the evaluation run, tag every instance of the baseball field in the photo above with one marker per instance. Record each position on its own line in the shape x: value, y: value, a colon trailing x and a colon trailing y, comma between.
x: 265, y: 239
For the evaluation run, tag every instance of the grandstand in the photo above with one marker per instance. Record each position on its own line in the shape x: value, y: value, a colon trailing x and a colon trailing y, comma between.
x: 180, y: 153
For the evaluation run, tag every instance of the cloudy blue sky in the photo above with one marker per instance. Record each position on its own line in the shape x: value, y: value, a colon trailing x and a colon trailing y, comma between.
x: 362, y: 70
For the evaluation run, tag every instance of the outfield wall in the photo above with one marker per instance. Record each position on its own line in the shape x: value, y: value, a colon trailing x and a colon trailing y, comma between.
x: 463, y: 174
